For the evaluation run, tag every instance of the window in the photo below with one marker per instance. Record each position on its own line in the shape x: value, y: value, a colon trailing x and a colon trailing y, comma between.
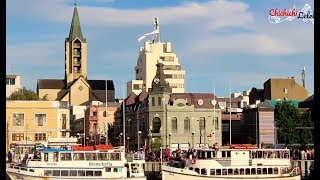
x: 212, y: 172
x: 105, y: 114
x: 115, y: 156
x: 89, y: 173
x: 48, y: 172
x: 216, y: 123
x: 78, y: 156
x: 156, y: 124
x: 64, y: 121
x: 56, y: 172
x: 186, y: 125
x: 17, y: 136
x: 40, y: 119
x: 97, y: 173
x: 103, y: 156
x: 73, y: 173
x: 153, y: 101
x: 40, y: 136
x: 285, y: 91
x: 64, y: 134
x: 18, y: 119
x: 159, y: 101
x: 64, y: 173
x: 108, y: 169
x: 7, y: 81
x: 136, y: 87
x: 115, y: 169
x: 202, y: 123
x: 174, y: 125
x: 81, y: 173
x: 91, y: 156
x: 95, y: 113
x: 65, y: 156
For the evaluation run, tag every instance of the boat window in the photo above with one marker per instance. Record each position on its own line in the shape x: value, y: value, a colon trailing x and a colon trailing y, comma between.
x: 31, y: 170
x: 115, y: 169
x: 236, y: 171
x: 275, y: 170
x: 283, y: 170
x: 89, y: 173
x: 230, y: 171
x: 91, y: 156
x: 17, y: 167
x: 228, y: 154
x: 253, y: 171
x: 65, y: 156
x: 259, y: 171
x: 269, y: 170
x: 64, y: 173
x: 108, y: 169
x: 204, y: 171
x: 191, y: 168
x: 103, y: 156
x: 81, y: 173
x: 98, y: 173
x: 56, y: 172
x: 224, y: 171
x: 213, y: 154
x: 241, y: 171
x: 24, y: 169
x: 212, y: 172
x: 78, y: 156
x: 247, y: 171
x: 218, y: 172
x: 45, y: 156
x: 197, y: 170
x: 135, y: 168
x: 47, y: 173
x: 115, y: 156
x: 209, y: 154
x: 143, y: 166
x: 223, y: 154
x: 202, y: 156
x: 264, y: 171
x: 55, y: 156
x: 73, y: 173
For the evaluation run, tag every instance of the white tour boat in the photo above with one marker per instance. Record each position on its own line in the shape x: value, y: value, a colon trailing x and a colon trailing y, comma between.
x: 79, y: 163
x: 234, y: 162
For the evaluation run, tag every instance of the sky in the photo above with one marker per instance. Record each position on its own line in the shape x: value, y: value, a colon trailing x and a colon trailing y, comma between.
x: 218, y: 41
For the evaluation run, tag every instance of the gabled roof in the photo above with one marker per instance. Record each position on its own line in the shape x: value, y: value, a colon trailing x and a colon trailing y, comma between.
x: 101, y: 84
x: 130, y: 100
x: 51, y: 84
x: 141, y: 97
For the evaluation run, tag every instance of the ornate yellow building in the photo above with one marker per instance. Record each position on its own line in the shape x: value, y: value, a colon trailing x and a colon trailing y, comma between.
x: 75, y: 88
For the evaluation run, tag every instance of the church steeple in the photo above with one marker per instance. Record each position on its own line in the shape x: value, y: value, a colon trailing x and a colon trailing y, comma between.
x: 75, y: 29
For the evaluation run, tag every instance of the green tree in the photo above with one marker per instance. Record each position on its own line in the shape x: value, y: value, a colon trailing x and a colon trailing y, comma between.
x: 306, y: 135
x: 23, y: 94
x: 287, y: 118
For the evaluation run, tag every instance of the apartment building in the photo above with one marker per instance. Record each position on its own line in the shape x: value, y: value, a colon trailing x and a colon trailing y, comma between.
x: 36, y: 121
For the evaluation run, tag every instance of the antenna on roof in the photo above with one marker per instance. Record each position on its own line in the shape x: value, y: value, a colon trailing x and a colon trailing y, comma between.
x: 303, y: 76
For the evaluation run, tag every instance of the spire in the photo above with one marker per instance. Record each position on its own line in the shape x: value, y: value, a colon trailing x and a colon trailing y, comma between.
x: 75, y: 29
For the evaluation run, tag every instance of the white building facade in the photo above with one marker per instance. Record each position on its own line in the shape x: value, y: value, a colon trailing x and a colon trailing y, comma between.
x: 13, y: 83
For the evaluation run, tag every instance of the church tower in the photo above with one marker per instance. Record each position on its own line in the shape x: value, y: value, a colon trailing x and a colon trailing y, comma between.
x: 75, y: 51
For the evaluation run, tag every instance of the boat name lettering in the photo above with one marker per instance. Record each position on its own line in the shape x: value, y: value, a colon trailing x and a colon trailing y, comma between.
x: 52, y: 164
x: 171, y: 174
x: 100, y: 164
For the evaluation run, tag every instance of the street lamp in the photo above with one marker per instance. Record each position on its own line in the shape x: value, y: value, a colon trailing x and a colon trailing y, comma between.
x: 27, y: 125
x: 79, y: 137
x: 139, y: 133
x: 192, y: 139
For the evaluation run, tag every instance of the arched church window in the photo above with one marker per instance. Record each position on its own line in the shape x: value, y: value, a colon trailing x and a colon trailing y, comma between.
x: 159, y: 101
x: 153, y: 101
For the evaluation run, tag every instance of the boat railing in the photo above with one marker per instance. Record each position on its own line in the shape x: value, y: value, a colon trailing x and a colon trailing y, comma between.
x: 138, y: 157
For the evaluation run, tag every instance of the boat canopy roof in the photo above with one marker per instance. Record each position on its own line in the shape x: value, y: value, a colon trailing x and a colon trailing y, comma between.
x: 47, y: 150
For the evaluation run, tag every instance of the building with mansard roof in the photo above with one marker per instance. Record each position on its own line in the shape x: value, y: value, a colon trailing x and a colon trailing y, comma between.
x: 75, y: 88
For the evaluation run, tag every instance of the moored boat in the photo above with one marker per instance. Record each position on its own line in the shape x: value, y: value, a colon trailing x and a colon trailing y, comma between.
x: 234, y: 162
x: 103, y: 162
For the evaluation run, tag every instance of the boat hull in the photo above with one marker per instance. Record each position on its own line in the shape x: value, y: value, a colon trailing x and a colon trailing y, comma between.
x: 19, y: 176
x: 176, y: 173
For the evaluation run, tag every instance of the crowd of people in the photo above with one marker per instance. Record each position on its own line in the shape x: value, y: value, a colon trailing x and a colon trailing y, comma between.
x: 302, y: 154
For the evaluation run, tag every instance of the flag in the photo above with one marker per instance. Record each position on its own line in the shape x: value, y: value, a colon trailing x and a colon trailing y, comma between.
x: 145, y: 35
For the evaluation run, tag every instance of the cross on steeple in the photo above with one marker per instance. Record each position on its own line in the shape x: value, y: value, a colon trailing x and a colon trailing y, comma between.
x: 75, y: 2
